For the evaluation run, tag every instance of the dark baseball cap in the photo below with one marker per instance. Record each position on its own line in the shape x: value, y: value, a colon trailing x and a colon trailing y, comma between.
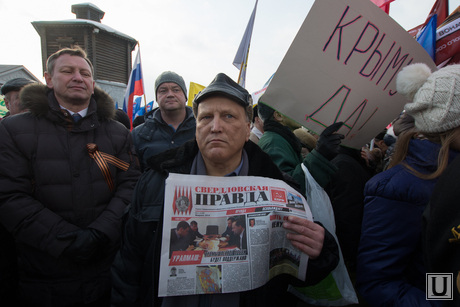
x: 223, y: 85
x: 14, y: 85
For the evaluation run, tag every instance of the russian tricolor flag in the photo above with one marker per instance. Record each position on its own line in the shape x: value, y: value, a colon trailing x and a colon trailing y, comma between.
x: 135, y: 88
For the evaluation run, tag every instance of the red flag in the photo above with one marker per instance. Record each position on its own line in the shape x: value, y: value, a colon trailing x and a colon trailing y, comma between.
x: 413, y: 32
x: 386, y: 8
x: 453, y: 60
x: 383, y: 4
x: 440, y: 7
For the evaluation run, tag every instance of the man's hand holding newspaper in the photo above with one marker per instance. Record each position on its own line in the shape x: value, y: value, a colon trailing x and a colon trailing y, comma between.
x: 306, y: 235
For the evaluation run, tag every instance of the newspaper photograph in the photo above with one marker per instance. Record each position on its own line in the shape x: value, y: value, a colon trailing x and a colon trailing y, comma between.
x: 225, y: 234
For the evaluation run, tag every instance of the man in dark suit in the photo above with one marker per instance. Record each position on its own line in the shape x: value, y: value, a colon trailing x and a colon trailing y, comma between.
x: 194, y: 233
x: 179, y: 237
x: 228, y: 231
x: 239, y: 229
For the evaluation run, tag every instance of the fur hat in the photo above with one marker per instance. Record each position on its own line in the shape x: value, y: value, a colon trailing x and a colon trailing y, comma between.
x: 435, y: 96
x: 170, y: 76
x: 306, y: 138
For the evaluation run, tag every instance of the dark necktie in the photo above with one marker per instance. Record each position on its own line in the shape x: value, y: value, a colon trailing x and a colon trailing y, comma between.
x: 76, y: 117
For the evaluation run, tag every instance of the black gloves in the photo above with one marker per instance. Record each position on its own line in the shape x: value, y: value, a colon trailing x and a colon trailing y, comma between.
x: 328, y: 143
x: 87, y: 244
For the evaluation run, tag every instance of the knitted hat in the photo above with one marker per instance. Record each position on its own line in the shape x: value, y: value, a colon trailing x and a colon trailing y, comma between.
x: 435, y: 96
x: 223, y: 85
x: 170, y: 76
x: 14, y: 85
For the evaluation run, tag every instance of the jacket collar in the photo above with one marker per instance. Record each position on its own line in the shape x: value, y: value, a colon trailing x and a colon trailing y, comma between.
x: 40, y: 100
x: 156, y: 115
x: 144, y: 131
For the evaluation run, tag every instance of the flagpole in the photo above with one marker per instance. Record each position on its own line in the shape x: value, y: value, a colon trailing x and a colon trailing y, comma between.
x: 245, y: 64
x: 239, y: 76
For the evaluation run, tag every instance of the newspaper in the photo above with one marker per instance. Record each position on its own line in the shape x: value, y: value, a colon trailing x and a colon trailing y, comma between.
x: 217, y: 260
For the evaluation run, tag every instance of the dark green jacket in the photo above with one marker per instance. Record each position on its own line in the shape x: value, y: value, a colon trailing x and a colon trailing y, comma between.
x: 289, y: 161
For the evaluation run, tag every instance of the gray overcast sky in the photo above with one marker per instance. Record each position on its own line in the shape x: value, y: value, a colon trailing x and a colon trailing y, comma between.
x: 196, y: 39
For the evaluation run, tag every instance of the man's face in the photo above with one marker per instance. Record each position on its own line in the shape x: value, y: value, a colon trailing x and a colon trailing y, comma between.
x: 194, y: 227
x: 12, y: 102
x: 222, y: 128
x: 72, y: 80
x: 170, y: 97
x: 229, y: 224
x: 183, y: 231
x: 237, y: 229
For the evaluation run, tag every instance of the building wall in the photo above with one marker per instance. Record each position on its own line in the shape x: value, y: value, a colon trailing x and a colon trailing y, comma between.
x: 108, y: 53
x: 58, y: 37
x: 112, y: 59
x: 114, y: 89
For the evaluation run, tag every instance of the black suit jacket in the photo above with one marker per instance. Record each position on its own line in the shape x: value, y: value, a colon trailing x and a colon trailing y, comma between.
x: 177, y: 243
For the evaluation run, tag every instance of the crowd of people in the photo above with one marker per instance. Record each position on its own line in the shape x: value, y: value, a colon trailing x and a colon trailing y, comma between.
x: 82, y: 196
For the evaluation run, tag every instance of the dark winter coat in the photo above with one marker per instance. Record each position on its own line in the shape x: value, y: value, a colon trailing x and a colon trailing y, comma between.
x: 390, y: 269
x: 49, y: 185
x: 346, y: 191
x: 441, y: 225
x: 155, y: 136
x: 8, y: 268
x: 136, y: 266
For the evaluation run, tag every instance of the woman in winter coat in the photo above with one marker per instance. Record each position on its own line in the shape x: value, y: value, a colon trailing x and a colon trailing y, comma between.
x: 390, y: 269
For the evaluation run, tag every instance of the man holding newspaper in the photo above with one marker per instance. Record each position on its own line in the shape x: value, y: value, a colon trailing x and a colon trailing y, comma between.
x: 223, y: 111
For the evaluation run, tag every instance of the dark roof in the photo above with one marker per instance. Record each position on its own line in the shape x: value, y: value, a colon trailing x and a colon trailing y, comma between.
x: 88, y: 11
x: 39, y: 25
x: 9, y: 69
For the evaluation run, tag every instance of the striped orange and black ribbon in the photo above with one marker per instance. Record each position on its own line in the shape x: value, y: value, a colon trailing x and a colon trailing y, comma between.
x: 102, y: 160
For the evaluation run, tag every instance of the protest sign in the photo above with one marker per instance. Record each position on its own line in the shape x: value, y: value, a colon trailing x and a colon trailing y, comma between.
x: 342, y: 66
